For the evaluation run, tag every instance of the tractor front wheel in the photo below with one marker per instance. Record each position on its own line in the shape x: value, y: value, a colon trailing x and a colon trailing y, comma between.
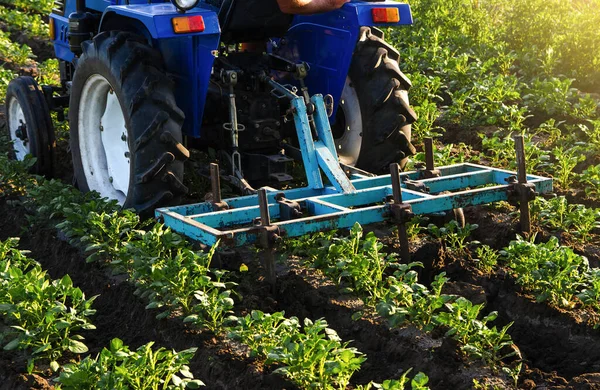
x: 126, y: 137
x: 29, y: 124
x: 373, y: 122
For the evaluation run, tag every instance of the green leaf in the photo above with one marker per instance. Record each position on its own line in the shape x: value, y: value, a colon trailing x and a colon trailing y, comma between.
x: 163, y: 315
x: 194, y: 384
x: 41, y: 349
x: 12, y: 345
x: 153, y: 305
x: 62, y: 324
x: 77, y: 346
x: 191, y: 318
x: 54, y: 365
x: 176, y: 380
x: 116, y: 344
x: 185, y: 371
x: 66, y: 281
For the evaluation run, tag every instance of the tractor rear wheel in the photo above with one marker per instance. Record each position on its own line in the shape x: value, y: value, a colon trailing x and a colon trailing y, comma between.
x: 29, y: 124
x: 126, y: 136
x: 373, y: 123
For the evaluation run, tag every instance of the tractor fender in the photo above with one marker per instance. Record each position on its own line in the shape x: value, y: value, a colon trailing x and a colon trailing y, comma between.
x: 157, y: 19
x: 327, y: 41
x: 188, y: 57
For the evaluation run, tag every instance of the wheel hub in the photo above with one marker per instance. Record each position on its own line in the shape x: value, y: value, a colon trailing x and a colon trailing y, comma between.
x: 18, y: 129
x: 21, y: 132
x: 349, y: 126
x: 103, y: 140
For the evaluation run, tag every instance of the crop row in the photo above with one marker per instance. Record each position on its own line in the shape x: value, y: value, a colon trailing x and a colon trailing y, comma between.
x: 30, y: 24
x: 358, y: 264
x: 470, y: 66
x: 44, y: 319
x: 16, y: 54
x: 553, y: 272
x: 40, y: 315
x: 180, y: 281
x: 499, y: 68
x: 42, y: 7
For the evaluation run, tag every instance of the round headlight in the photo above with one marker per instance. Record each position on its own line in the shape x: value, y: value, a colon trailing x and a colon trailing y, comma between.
x: 185, y: 5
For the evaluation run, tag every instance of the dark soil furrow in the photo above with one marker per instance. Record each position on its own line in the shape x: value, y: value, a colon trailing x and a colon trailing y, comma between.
x: 121, y: 314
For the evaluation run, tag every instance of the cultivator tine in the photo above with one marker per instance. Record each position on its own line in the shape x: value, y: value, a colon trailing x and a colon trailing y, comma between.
x: 215, y: 184
x: 428, y: 153
x: 269, y: 235
x: 401, y: 212
x: 525, y: 192
x: 430, y: 171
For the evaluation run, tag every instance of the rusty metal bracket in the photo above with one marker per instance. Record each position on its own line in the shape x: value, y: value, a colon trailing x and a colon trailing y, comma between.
x: 215, y: 184
x: 519, y: 190
x: 269, y: 235
x: 429, y: 172
x: 416, y: 185
x: 400, y: 212
x: 288, y: 209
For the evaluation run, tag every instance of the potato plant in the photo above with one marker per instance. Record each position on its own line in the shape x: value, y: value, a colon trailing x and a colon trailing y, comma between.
x: 400, y: 298
x: 181, y: 283
x: 119, y: 368
x: 558, y: 214
x: 30, y: 24
x: 38, y: 7
x: 311, y: 355
x: 555, y: 273
x: 44, y: 316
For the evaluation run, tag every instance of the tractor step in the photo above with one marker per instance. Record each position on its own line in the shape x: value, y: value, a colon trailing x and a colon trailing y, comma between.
x: 296, y: 212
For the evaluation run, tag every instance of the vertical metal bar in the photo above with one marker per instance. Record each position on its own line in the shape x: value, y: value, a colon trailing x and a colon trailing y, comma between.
x: 307, y: 144
x: 263, y: 204
x: 400, y: 212
x: 429, y: 163
x: 520, y: 151
x: 215, y: 182
x: 322, y: 124
x: 266, y: 241
x: 525, y: 217
x: 395, y: 176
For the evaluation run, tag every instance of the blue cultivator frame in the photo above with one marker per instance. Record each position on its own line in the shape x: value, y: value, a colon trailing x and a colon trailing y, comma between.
x: 327, y: 209
x: 272, y: 213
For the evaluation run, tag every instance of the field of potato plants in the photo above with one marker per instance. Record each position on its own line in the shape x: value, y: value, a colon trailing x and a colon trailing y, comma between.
x: 93, y: 297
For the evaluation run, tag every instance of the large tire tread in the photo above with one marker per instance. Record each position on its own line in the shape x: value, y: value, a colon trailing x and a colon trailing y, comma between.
x: 382, y: 90
x: 155, y: 120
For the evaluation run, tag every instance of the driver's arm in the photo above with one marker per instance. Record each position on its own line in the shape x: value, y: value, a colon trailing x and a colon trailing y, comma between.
x: 309, y: 6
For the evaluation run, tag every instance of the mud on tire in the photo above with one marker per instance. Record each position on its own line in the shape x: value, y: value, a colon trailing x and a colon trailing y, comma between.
x: 382, y: 90
x: 152, y: 119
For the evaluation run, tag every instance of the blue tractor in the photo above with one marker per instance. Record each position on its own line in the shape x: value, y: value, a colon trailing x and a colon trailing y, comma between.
x: 144, y: 81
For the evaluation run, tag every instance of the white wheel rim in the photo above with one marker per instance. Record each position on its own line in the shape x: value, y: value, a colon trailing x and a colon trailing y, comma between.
x: 17, y: 124
x: 349, y: 144
x: 103, y: 141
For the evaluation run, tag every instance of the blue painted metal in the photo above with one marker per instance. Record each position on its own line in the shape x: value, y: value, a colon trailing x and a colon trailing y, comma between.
x: 325, y: 41
x: 326, y: 209
x: 361, y: 199
x: 157, y: 19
